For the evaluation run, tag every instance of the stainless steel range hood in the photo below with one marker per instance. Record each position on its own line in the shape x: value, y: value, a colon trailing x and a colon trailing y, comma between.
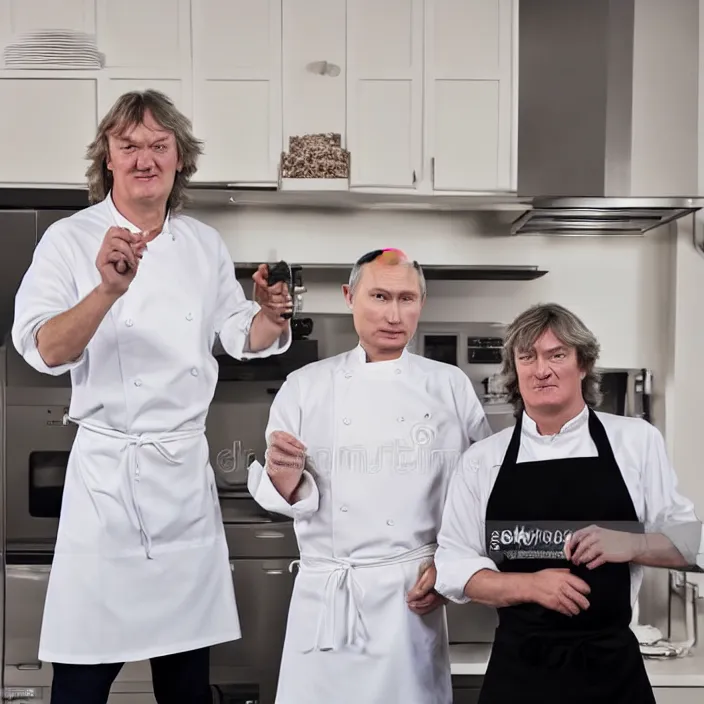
x: 607, y: 115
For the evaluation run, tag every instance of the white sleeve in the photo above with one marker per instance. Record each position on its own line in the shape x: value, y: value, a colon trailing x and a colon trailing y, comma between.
x: 285, y: 414
x: 48, y: 289
x: 472, y: 413
x: 470, y: 410
x: 666, y: 510
x: 461, y: 551
x: 234, y: 313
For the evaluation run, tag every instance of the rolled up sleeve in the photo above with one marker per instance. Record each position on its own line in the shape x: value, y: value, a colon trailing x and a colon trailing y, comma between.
x: 667, y: 511
x: 285, y: 415
x: 235, y: 313
x: 48, y: 289
x: 265, y: 494
x: 461, y: 544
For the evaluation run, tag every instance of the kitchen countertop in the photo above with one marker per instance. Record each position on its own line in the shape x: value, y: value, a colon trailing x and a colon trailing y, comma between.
x: 472, y: 659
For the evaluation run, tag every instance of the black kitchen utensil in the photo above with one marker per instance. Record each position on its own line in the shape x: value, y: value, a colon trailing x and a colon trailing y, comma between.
x: 291, y: 276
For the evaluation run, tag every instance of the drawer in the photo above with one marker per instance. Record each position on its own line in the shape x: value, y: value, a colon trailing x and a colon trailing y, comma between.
x: 261, y: 540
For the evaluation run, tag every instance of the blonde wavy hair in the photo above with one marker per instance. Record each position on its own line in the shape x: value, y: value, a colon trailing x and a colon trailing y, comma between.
x: 521, y: 335
x: 129, y: 110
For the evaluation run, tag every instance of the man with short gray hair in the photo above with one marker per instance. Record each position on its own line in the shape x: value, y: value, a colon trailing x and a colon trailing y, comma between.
x: 544, y: 521
x: 361, y: 449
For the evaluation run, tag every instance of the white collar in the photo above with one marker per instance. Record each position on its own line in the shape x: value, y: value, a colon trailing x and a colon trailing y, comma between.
x: 122, y: 221
x: 530, y: 428
x: 359, y: 357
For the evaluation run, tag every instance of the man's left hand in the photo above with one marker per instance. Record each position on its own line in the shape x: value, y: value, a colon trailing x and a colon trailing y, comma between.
x: 594, y: 546
x: 274, y: 300
x: 423, y: 598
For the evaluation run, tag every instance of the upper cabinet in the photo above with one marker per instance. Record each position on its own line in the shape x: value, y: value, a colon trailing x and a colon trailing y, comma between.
x: 138, y: 56
x: 468, y: 94
x: 55, y: 88
x: 385, y: 92
x: 237, y: 89
x: 407, y: 96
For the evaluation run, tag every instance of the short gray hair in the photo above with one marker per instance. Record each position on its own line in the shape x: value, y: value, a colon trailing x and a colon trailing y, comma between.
x: 522, y: 333
x: 400, y: 259
x: 128, y: 111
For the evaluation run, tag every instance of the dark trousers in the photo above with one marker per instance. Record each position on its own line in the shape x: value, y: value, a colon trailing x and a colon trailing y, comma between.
x: 182, y: 678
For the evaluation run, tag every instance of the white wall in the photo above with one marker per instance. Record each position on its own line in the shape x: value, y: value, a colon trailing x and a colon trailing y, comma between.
x: 619, y: 286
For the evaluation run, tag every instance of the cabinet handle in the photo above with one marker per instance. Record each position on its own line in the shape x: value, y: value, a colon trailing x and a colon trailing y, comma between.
x: 414, y: 177
x: 29, y: 666
x: 269, y: 535
x: 432, y: 172
x: 273, y: 571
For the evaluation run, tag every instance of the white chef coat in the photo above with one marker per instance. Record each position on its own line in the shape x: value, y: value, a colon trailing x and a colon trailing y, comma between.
x: 141, y: 563
x: 640, y: 452
x: 382, y: 441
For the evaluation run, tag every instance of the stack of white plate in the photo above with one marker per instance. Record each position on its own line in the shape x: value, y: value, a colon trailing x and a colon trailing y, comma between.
x: 55, y: 48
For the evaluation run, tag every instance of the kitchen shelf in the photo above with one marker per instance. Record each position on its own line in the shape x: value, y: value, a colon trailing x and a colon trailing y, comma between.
x: 432, y: 272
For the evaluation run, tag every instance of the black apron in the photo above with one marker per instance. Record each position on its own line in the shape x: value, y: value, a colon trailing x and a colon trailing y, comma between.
x: 540, y: 656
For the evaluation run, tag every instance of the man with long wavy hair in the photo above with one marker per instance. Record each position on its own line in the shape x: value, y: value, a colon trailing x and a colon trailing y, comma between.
x: 552, y: 521
x: 129, y: 295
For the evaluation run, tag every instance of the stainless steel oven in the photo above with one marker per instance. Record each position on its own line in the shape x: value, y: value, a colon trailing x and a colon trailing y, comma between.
x: 37, y: 442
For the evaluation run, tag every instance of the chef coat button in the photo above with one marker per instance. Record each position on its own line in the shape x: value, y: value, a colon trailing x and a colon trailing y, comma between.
x: 400, y: 419
x: 194, y: 371
x: 426, y: 416
x: 348, y: 375
x: 189, y: 316
x: 346, y: 421
x: 137, y: 382
x: 397, y: 371
x: 129, y: 322
x: 389, y: 522
x: 343, y: 509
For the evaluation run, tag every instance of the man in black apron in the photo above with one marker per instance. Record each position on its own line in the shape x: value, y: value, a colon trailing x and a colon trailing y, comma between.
x: 544, y: 656
x: 564, y: 632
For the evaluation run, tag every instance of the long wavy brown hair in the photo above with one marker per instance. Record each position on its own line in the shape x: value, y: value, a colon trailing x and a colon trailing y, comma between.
x: 521, y: 335
x: 129, y: 110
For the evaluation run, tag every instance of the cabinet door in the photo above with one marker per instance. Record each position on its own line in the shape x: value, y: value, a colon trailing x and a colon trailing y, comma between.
x: 146, y: 45
x: 18, y: 17
x: 314, y: 100
x: 384, y: 92
x: 237, y: 89
x: 45, y: 126
x: 469, y: 123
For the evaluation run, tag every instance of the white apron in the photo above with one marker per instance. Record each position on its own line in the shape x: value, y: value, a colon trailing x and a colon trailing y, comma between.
x: 381, y: 440
x: 141, y: 564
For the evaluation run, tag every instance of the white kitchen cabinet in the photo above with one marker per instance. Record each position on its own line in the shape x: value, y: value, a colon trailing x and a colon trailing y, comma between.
x: 146, y: 45
x: 237, y: 89
x: 385, y: 92
x: 679, y: 695
x: 469, y: 124
x: 45, y: 126
x: 314, y: 41
x: 50, y: 116
x: 18, y: 17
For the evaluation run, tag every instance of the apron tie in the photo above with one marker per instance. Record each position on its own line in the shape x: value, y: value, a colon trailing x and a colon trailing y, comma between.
x: 134, y: 443
x: 341, y: 581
